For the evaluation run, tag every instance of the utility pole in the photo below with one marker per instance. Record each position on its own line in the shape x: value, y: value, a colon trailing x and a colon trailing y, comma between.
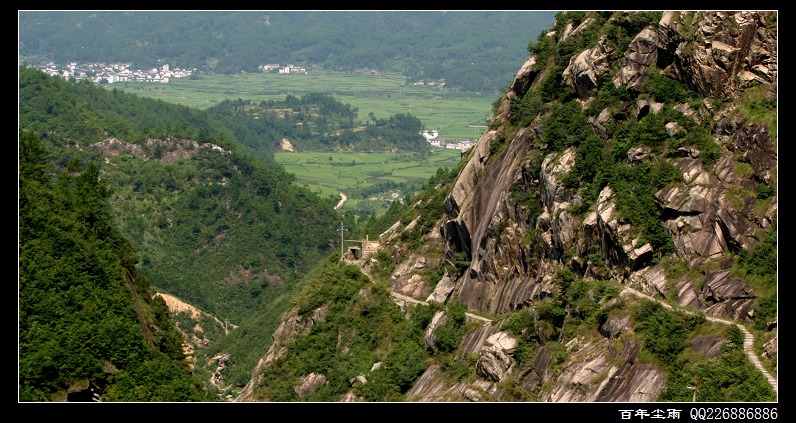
x: 341, y: 230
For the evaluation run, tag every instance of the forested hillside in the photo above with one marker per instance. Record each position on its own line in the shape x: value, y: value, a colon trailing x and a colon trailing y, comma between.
x: 211, y: 224
x: 210, y: 216
x: 88, y: 323
x: 317, y: 122
x: 422, y: 45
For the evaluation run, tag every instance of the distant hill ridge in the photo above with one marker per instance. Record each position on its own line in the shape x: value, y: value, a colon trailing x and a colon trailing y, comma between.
x: 418, y: 44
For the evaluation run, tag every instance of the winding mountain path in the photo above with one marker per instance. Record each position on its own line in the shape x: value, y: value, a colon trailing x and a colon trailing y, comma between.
x: 342, y: 201
x: 747, y: 342
x: 401, y: 298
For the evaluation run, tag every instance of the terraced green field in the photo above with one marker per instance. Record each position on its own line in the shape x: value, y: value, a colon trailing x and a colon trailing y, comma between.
x: 457, y: 116
x: 329, y: 174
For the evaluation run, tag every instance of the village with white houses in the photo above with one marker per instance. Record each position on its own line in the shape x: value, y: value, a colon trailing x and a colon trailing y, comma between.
x: 103, y: 73
x: 433, y: 138
x: 283, y: 70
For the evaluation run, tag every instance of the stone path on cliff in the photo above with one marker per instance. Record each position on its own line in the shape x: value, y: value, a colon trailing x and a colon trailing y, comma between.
x: 747, y: 344
x: 399, y: 298
x: 748, y: 337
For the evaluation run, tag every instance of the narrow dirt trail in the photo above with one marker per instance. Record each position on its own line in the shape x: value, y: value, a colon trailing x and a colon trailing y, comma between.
x: 748, y: 337
x: 399, y: 299
x: 342, y: 201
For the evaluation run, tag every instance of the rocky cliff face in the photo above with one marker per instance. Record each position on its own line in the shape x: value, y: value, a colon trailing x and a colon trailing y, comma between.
x: 718, y: 55
x: 698, y: 212
x: 515, y: 214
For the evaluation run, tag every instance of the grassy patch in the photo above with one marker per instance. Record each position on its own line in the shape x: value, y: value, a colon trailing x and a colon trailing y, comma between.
x: 457, y: 116
x: 359, y: 175
x: 758, y: 108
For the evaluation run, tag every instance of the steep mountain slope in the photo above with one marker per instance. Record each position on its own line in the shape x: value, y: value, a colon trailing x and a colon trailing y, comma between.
x: 206, y: 222
x: 632, y: 151
x: 89, y: 328
x: 213, y: 225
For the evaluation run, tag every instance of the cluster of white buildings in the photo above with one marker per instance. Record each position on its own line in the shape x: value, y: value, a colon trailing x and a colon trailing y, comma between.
x: 433, y: 138
x: 283, y: 70
x: 121, y: 72
x: 440, y: 83
x: 114, y: 72
x: 462, y: 145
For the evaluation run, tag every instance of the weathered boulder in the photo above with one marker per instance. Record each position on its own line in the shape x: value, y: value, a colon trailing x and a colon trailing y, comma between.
x: 614, y: 326
x: 586, y: 69
x: 525, y: 78
x: 640, y: 55
x: 495, y: 359
x: 309, y: 384
x: 770, y: 349
x: 729, y: 296
x: 709, y: 346
x: 615, y: 237
x: 640, y: 154
x: 442, y: 290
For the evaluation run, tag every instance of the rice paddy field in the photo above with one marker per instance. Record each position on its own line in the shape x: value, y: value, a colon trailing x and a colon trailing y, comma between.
x: 457, y: 116
x: 329, y: 174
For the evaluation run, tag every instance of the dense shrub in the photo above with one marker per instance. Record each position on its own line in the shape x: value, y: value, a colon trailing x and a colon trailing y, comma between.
x: 665, y: 332
x: 664, y: 88
x: 451, y: 331
x: 730, y: 377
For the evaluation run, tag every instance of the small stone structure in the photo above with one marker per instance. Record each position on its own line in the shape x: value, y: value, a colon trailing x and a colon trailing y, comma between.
x: 365, y: 248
